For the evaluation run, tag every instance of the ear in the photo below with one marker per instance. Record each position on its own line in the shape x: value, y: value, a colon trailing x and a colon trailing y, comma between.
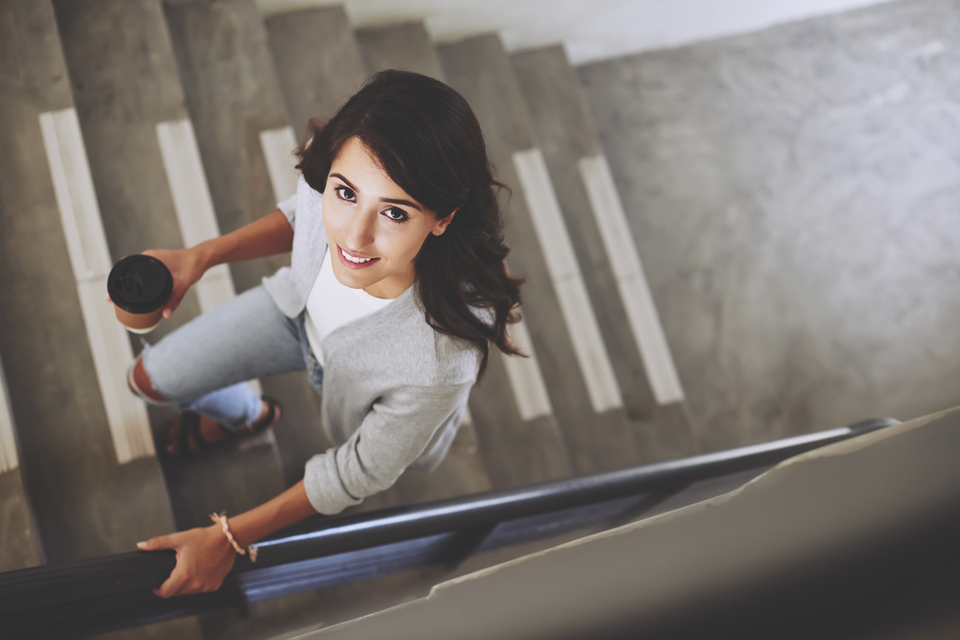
x: 441, y: 225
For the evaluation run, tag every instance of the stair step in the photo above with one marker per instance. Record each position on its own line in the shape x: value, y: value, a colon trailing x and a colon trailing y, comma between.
x: 317, y: 59
x: 405, y: 46
x: 87, y: 504
x: 20, y: 545
x: 68, y: 452
x: 611, y: 267
x: 589, y: 417
x: 144, y: 160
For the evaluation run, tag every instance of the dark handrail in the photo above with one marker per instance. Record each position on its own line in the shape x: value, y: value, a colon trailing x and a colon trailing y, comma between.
x: 316, y: 538
x: 113, y: 592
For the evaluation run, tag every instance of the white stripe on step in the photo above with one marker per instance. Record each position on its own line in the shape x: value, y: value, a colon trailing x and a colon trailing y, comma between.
x: 87, y: 246
x: 598, y: 375
x: 278, y: 146
x: 8, y: 443
x: 526, y: 379
x: 631, y: 281
x: 193, y: 204
x: 112, y: 355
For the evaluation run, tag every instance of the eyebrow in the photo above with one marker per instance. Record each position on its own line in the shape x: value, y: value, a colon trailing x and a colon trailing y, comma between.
x: 389, y: 200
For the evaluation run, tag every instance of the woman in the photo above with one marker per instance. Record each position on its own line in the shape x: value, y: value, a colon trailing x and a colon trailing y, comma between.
x: 396, y: 288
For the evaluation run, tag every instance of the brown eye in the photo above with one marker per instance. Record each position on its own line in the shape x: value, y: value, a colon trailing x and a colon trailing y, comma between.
x: 397, y: 215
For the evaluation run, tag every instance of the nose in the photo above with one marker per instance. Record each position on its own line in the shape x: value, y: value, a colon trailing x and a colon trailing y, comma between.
x: 359, y: 232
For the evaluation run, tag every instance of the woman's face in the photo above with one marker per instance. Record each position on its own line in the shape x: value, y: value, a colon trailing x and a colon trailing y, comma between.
x: 374, y: 228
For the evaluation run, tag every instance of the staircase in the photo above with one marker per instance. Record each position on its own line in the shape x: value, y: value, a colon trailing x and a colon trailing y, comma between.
x: 134, y: 124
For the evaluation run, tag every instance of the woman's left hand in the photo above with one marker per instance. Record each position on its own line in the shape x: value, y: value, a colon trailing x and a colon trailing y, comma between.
x: 204, y: 558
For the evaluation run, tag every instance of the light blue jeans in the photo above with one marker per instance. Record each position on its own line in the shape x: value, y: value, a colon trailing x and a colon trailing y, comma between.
x: 202, y: 366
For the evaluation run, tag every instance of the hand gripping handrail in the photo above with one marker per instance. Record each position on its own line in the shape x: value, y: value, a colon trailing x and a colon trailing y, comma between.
x: 114, y: 592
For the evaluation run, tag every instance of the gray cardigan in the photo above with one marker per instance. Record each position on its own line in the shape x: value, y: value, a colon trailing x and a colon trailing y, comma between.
x: 394, y: 389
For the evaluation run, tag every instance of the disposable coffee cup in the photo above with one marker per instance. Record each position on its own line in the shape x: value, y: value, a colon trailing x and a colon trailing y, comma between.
x: 139, y: 286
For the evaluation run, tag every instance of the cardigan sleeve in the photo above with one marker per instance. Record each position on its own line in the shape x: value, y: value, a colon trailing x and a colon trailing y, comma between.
x: 392, y: 435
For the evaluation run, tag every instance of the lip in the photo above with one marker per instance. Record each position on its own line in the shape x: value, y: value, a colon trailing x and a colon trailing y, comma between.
x: 353, y: 265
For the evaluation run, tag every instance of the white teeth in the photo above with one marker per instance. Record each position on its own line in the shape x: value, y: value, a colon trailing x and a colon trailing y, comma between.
x: 354, y: 259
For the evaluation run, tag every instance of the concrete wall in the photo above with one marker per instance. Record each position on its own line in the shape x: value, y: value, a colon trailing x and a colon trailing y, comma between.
x: 795, y: 196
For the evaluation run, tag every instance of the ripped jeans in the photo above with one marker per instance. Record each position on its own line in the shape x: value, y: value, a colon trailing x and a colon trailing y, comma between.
x: 203, y: 365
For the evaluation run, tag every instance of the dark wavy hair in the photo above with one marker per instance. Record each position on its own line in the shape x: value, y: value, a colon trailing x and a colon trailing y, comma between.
x: 429, y: 142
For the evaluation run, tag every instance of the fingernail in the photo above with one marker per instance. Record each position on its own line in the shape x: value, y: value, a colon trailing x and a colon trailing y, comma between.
x: 141, y: 544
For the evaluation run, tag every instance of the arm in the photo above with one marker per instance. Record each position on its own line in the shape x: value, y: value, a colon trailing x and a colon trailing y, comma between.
x: 205, y: 557
x: 267, y: 236
x: 394, y: 434
x: 391, y: 436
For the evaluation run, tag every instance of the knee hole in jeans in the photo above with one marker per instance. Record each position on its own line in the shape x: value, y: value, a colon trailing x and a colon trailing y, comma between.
x: 141, y: 385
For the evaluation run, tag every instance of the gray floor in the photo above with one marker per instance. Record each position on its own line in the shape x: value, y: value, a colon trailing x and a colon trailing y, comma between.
x: 21, y: 544
x: 794, y: 195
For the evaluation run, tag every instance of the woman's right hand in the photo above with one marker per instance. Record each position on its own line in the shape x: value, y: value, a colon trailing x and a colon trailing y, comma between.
x: 204, y: 558
x: 186, y: 266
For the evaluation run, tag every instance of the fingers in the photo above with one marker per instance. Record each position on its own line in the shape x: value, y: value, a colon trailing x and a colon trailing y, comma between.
x: 185, y: 270
x: 203, y: 560
x: 172, y: 304
x: 177, y: 579
x: 174, y: 585
x: 180, y: 583
x: 155, y: 544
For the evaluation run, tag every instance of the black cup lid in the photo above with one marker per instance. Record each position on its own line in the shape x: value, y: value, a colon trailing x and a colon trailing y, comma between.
x: 139, y: 284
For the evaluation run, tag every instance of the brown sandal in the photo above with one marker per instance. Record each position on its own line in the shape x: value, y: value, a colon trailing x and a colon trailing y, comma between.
x: 191, y: 441
x: 274, y: 413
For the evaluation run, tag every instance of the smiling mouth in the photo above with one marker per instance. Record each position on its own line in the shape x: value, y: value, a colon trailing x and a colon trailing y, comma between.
x: 354, y: 262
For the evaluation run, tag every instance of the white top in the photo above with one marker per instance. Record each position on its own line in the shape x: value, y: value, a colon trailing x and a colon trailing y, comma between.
x: 331, y: 305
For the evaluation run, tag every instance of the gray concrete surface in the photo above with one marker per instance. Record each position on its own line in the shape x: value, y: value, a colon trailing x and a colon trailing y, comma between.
x: 405, y: 46
x: 232, y: 94
x: 318, y: 61
x: 794, y: 194
x: 566, y: 134
x: 85, y: 503
x: 515, y: 452
x: 20, y: 546
x: 125, y: 80
x: 480, y: 70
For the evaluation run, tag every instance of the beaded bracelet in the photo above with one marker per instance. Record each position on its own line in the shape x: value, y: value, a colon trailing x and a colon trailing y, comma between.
x: 221, y: 518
